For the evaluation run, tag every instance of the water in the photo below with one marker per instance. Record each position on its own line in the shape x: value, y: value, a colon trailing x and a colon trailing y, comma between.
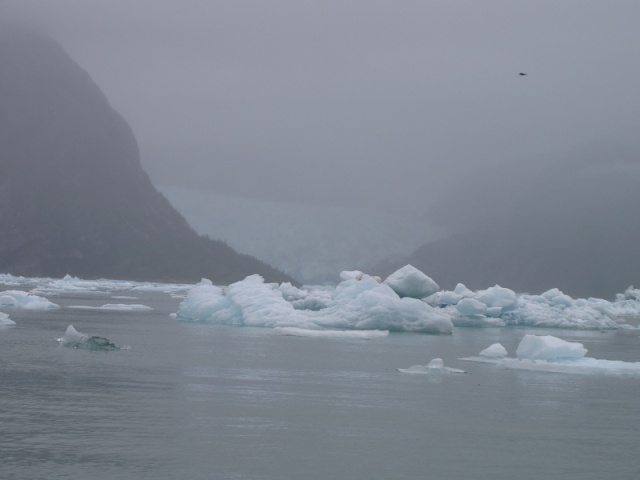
x: 206, y: 402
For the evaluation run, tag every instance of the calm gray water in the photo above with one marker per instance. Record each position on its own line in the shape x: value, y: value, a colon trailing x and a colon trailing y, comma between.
x: 205, y: 402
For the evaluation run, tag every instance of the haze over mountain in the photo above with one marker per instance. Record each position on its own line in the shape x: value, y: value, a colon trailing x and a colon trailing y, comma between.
x: 74, y: 198
x: 573, y: 225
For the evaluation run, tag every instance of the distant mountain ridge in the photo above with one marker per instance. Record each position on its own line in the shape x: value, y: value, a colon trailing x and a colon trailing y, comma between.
x: 574, y: 226
x: 74, y: 198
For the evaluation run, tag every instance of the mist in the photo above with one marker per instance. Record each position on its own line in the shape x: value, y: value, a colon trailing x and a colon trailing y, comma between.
x: 421, y: 120
x: 348, y: 103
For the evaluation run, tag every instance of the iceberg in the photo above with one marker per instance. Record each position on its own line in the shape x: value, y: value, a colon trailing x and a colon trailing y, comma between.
x: 549, y: 348
x: 359, y: 302
x: 435, y: 366
x: 411, y: 282
x: 496, y: 350
x: 17, y: 299
x: 74, y: 339
x: 115, y: 307
x: 546, y: 353
x: 5, y: 320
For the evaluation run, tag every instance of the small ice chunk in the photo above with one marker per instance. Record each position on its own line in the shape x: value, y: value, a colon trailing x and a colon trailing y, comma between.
x: 463, y: 291
x: 471, y: 306
x: 435, y: 366
x: 498, y: 297
x: 443, y: 298
x: 549, y: 348
x: 5, y: 320
x: 71, y: 335
x: 115, y: 307
x: 74, y: 339
x: 411, y: 282
x: 351, y: 275
x: 496, y: 350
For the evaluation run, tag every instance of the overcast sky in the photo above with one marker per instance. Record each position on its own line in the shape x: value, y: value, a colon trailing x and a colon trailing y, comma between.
x: 368, y: 102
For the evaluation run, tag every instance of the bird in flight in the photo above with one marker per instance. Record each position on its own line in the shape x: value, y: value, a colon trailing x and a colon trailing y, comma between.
x: 522, y: 74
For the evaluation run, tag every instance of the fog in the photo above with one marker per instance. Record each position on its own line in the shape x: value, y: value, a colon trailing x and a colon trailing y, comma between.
x: 376, y: 104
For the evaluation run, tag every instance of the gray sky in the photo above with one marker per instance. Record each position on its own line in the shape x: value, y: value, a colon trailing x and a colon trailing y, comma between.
x: 379, y: 103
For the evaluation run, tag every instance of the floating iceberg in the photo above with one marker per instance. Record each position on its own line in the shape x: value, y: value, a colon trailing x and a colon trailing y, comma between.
x: 498, y: 306
x: 18, y: 299
x: 5, y: 320
x: 435, y: 366
x: 411, y: 282
x: 74, y: 339
x: 359, y: 302
x: 547, y: 353
x: 115, y: 307
x: 405, y: 302
x: 496, y: 350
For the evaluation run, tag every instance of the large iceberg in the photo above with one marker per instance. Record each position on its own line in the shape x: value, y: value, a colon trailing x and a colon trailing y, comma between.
x: 547, y: 353
x: 358, y: 303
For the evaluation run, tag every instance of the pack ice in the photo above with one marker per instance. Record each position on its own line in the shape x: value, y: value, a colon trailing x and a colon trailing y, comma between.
x: 407, y: 301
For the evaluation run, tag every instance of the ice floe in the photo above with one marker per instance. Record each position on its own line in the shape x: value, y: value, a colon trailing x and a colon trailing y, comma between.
x: 547, y: 353
x: 17, y: 299
x: 435, y: 366
x: 5, y: 320
x: 115, y: 307
x: 74, y: 339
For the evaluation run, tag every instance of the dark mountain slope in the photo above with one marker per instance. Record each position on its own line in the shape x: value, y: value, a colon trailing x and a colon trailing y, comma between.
x: 73, y: 196
x: 575, y: 227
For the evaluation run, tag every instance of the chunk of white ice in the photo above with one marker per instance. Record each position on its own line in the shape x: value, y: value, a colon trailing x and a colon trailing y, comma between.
x: 435, y: 366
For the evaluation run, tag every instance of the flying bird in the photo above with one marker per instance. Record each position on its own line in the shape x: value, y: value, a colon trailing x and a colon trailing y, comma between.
x: 522, y: 74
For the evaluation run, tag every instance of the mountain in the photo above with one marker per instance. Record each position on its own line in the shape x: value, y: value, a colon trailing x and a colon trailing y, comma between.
x: 74, y: 198
x: 574, y: 226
